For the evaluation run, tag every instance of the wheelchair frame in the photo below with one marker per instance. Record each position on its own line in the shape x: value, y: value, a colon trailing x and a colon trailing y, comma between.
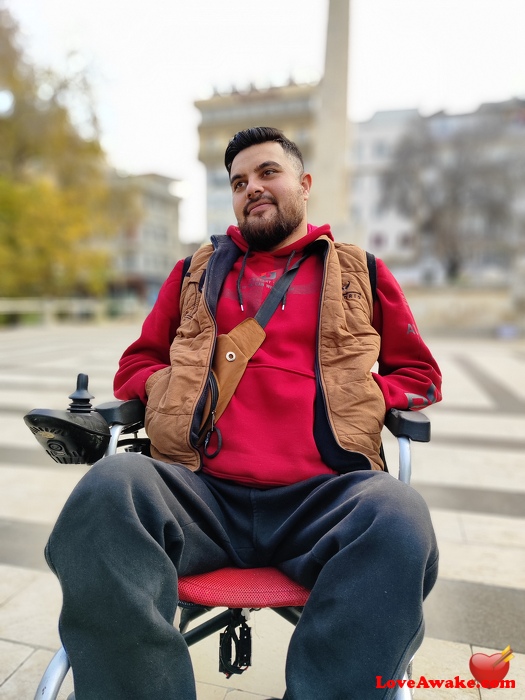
x: 105, y: 437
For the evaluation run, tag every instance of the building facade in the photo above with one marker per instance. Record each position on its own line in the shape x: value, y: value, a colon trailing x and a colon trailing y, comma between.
x: 382, y: 231
x: 148, y: 246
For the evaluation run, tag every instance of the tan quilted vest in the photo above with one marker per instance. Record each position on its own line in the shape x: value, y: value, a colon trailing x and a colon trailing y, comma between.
x: 348, y: 349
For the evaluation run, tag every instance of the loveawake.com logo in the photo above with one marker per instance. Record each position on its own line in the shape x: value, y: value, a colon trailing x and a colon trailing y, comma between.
x: 488, y: 672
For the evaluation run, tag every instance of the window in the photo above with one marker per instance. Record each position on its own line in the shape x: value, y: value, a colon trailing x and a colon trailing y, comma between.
x: 405, y: 240
x: 377, y: 240
x: 381, y: 149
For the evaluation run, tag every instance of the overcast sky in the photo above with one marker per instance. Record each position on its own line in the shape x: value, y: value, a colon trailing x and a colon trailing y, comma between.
x: 150, y: 60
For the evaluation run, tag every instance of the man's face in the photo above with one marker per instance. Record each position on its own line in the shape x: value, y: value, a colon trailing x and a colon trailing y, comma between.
x: 269, y: 194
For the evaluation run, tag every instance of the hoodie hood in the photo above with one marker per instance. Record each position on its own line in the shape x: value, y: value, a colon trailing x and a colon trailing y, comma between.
x: 288, y: 252
x: 312, y: 234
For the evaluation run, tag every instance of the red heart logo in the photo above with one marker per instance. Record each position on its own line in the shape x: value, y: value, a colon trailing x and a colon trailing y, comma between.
x: 488, y: 670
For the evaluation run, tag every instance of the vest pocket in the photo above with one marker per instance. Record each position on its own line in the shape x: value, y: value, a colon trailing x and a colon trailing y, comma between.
x: 154, y: 378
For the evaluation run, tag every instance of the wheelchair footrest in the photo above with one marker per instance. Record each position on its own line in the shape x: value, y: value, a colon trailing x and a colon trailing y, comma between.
x: 240, y: 644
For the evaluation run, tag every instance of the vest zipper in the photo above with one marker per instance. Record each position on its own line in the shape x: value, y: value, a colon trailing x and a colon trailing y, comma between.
x: 213, y: 390
x: 209, y: 425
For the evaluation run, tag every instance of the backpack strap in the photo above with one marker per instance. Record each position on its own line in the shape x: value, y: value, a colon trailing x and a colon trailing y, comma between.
x: 186, y: 266
x: 372, y: 273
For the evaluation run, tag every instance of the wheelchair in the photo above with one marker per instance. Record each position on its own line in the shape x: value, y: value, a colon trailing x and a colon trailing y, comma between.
x: 83, y: 434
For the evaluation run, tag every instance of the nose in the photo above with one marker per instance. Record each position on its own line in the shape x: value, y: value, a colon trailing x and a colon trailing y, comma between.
x: 253, y: 187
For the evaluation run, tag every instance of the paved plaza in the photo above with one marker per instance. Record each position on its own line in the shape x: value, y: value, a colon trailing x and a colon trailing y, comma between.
x: 472, y: 475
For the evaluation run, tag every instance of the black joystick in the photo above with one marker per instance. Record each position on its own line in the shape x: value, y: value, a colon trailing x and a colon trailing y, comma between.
x: 81, y: 398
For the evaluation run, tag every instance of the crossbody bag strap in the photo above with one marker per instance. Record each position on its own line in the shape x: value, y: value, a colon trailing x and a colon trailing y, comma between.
x: 277, y: 293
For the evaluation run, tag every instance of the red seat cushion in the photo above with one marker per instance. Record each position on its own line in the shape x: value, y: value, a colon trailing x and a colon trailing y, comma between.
x: 242, y: 588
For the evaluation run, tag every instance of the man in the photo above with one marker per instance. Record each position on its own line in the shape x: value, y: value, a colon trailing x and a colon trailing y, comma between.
x: 288, y: 475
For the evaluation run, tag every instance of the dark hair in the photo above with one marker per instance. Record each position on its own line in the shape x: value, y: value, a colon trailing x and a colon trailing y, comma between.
x: 256, y: 135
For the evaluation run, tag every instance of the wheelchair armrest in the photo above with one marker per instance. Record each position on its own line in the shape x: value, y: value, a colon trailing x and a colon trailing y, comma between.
x: 411, y: 424
x: 127, y: 413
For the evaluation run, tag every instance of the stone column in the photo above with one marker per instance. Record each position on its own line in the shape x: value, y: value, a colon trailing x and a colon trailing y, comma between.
x: 330, y: 198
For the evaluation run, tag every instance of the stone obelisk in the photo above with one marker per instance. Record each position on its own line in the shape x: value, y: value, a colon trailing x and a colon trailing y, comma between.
x: 330, y: 198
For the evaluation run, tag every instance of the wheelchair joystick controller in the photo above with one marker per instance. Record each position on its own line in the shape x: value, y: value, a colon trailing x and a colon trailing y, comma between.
x: 78, y: 435
x: 81, y: 398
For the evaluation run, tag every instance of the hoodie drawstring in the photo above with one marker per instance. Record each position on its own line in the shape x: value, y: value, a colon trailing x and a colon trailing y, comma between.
x: 241, y: 274
x: 288, y: 263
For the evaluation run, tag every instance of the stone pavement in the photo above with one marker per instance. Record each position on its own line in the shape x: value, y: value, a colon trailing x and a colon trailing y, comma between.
x: 472, y: 475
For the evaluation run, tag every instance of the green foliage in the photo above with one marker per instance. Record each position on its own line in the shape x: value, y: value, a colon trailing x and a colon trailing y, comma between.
x: 58, y: 212
x: 45, y: 242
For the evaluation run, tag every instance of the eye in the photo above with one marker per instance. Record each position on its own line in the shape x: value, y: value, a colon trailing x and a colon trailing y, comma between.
x: 270, y: 171
x: 238, y: 185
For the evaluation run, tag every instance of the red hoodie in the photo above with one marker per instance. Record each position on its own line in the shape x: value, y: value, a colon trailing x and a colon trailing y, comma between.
x: 267, y: 428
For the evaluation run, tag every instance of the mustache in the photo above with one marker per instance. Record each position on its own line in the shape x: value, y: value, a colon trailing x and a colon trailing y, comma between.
x: 254, y: 202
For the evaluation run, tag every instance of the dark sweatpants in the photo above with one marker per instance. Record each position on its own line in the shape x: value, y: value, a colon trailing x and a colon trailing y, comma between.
x: 363, y: 542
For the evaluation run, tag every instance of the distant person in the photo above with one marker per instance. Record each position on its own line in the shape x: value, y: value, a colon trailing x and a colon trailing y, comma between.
x: 285, y: 473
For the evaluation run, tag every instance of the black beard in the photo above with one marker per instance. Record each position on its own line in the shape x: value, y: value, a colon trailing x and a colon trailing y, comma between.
x: 264, y: 235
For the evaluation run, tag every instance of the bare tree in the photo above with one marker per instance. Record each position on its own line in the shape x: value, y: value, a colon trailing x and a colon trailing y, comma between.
x: 457, y: 179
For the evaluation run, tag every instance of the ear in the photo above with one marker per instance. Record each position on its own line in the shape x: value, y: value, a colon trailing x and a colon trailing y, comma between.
x: 306, y: 184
